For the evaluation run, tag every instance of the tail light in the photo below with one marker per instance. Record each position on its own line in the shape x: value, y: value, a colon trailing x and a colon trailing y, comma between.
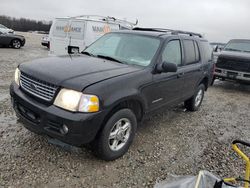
x: 214, y: 66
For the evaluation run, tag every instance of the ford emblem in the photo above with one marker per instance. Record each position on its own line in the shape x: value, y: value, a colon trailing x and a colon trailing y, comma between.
x: 33, y: 86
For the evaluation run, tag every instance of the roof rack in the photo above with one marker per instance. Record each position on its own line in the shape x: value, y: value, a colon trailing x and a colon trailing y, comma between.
x: 108, y: 18
x: 173, y: 32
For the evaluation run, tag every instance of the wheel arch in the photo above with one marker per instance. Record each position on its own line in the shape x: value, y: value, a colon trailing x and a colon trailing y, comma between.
x: 133, y: 103
x: 204, y: 81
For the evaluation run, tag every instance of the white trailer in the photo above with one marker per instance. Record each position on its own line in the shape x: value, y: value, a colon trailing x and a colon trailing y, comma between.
x: 74, y: 34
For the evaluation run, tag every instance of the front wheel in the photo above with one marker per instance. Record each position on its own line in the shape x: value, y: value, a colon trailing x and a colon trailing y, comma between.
x: 16, y: 43
x: 117, y: 135
x: 194, y: 102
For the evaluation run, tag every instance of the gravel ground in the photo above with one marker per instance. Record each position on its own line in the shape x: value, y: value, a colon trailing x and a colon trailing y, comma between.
x: 170, y: 142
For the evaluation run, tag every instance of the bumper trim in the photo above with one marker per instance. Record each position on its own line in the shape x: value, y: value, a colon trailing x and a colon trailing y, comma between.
x: 223, y: 73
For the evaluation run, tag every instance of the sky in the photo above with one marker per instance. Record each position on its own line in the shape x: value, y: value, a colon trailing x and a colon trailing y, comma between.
x: 218, y: 20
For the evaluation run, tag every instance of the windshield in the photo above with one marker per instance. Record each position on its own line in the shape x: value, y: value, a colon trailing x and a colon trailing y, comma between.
x: 125, y: 48
x: 2, y: 26
x: 241, y: 46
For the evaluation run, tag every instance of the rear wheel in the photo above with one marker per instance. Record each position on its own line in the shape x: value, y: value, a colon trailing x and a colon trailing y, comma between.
x: 116, y: 136
x: 194, y: 102
x: 16, y: 43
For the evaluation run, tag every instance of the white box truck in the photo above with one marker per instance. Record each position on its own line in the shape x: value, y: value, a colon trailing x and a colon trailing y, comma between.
x: 74, y: 34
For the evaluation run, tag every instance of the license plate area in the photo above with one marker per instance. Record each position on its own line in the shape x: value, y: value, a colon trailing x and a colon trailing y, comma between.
x: 232, y: 74
x: 28, y: 114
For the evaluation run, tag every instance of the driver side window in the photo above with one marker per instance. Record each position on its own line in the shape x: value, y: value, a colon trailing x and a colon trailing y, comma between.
x: 172, y: 52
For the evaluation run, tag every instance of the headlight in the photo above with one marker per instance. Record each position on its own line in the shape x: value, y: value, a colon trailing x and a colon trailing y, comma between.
x: 76, y: 101
x: 17, y: 76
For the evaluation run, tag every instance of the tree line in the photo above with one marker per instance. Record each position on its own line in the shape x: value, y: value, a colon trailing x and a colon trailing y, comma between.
x: 23, y: 24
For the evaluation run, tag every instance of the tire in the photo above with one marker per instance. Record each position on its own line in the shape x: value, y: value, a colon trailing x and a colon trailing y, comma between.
x: 16, y: 43
x: 194, y: 102
x: 113, y: 141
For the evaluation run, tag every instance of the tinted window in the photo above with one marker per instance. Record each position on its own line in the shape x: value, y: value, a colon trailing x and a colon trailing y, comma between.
x: 197, y: 52
x: 172, y: 52
x: 207, y: 50
x: 191, y: 50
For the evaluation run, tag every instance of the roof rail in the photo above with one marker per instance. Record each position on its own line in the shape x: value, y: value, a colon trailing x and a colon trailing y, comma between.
x: 108, y: 18
x: 173, y: 32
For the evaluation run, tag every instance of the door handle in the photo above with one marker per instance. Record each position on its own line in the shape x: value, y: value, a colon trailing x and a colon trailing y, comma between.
x: 179, y: 75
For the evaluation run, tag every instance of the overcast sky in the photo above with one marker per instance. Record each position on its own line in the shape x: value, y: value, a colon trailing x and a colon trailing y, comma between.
x: 219, y: 20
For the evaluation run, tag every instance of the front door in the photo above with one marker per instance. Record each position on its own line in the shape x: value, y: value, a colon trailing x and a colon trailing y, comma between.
x: 167, y: 87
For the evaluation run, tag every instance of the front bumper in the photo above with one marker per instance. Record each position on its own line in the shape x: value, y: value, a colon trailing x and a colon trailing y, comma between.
x: 49, y: 120
x: 23, y: 42
x: 231, y: 74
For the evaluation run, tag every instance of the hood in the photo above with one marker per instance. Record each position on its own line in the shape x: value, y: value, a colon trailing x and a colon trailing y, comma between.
x: 235, y: 55
x: 76, y: 72
x: 17, y: 36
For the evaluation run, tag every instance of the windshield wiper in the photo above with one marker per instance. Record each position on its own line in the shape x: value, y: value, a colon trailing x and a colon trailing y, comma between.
x: 109, y: 58
x: 87, y: 53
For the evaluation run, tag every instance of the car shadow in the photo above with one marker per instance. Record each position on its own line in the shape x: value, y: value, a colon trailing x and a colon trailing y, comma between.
x: 229, y: 85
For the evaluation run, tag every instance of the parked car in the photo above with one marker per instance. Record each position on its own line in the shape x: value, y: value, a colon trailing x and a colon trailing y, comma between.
x: 45, y: 41
x: 234, y: 61
x: 4, y: 29
x: 99, y: 97
x: 11, y: 40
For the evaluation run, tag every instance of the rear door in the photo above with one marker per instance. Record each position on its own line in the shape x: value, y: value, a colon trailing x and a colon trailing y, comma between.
x: 76, y: 34
x: 59, y: 37
x: 192, y: 70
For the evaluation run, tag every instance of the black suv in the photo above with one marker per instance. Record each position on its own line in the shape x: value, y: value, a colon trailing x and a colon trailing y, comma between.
x: 100, y: 96
x: 234, y: 61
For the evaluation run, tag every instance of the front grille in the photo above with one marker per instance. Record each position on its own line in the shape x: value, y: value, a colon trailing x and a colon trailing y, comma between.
x: 237, y: 65
x: 38, y: 88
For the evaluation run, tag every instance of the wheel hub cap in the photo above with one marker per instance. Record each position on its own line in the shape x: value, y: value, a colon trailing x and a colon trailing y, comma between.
x: 119, y: 134
x: 198, y: 98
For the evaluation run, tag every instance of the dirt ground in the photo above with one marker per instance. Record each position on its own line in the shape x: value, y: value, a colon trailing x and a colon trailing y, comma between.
x: 170, y: 142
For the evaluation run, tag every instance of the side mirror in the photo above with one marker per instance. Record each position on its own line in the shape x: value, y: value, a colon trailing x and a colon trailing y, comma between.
x: 166, y: 67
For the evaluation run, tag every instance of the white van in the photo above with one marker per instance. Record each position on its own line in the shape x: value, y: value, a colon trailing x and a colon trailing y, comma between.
x: 74, y: 34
